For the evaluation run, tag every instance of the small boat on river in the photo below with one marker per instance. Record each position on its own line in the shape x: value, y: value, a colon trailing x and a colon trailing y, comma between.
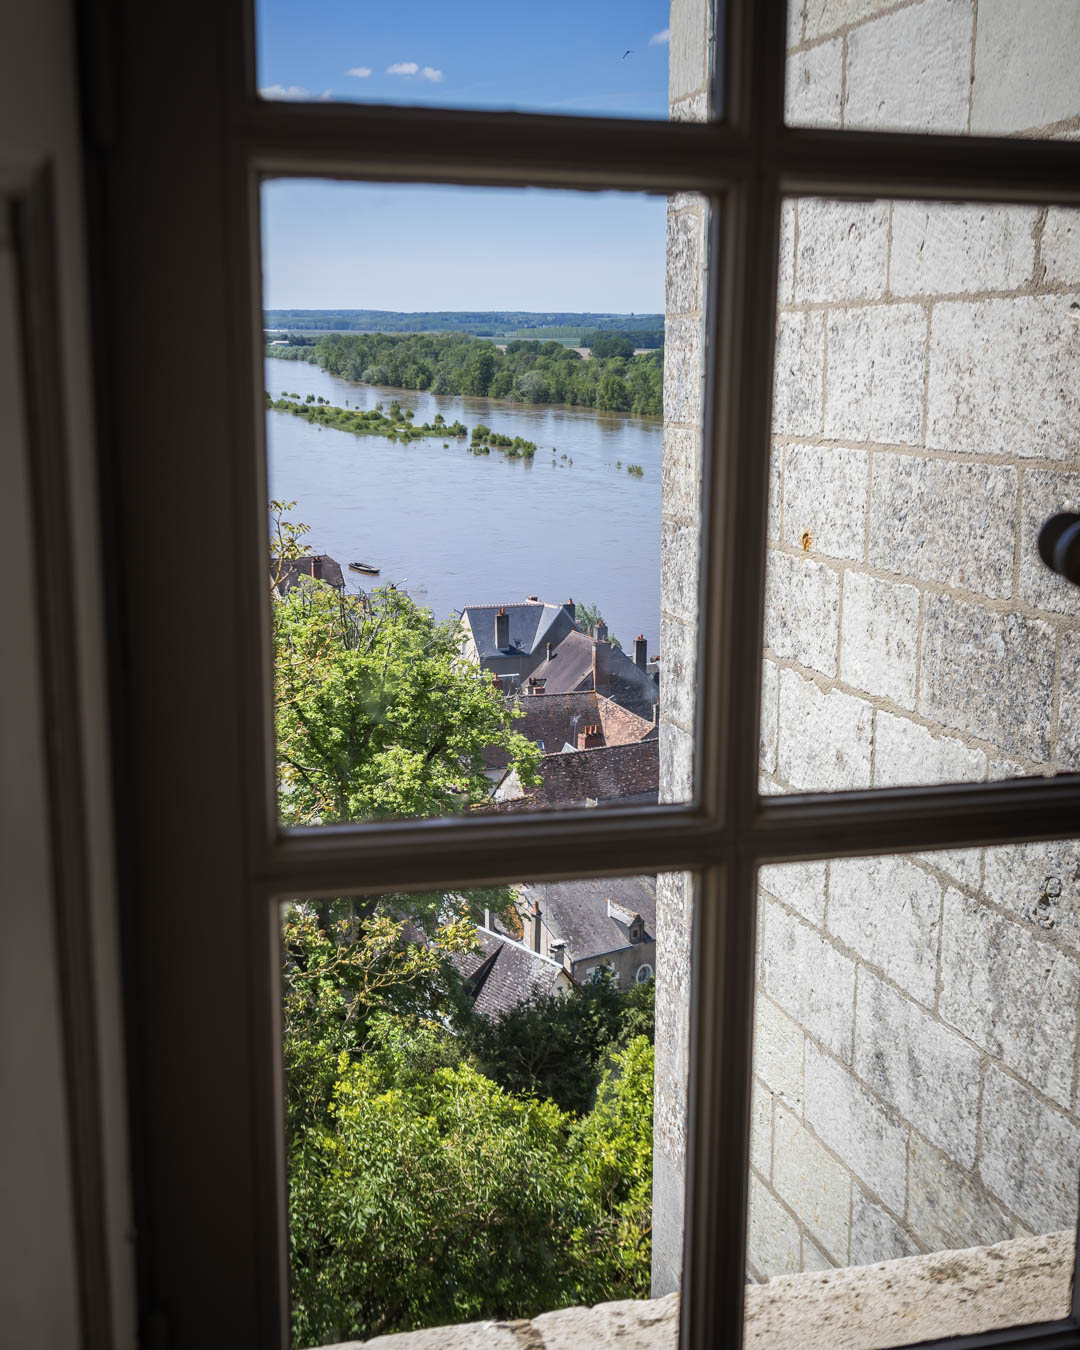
x: 369, y: 568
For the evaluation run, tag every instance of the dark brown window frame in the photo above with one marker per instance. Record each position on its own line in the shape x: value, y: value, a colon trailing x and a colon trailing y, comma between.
x: 175, y: 154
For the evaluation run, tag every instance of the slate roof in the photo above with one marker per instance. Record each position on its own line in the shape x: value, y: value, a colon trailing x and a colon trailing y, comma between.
x: 531, y: 624
x: 628, y: 773
x: 292, y: 569
x: 504, y: 973
x: 577, y: 912
x: 570, y: 668
x: 555, y: 720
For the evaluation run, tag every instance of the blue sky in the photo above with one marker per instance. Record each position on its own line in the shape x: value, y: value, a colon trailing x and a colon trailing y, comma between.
x: 336, y: 245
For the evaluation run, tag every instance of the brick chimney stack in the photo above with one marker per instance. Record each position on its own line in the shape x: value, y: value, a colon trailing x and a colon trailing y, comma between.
x: 316, y: 567
x: 600, y: 632
x: 571, y: 608
x: 588, y: 738
x: 641, y: 652
x: 601, y: 666
x: 502, y: 630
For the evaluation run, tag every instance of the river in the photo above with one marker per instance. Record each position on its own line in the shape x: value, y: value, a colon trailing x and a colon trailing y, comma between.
x: 455, y: 529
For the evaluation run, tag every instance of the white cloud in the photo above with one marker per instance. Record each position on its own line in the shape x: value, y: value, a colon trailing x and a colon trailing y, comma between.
x: 326, y: 96
x: 403, y: 68
x: 430, y: 73
x: 660, y: 39
x: 292, y: 91
x: 360, y: 72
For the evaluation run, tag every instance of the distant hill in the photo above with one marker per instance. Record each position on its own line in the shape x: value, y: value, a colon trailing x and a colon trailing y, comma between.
x: 557, y: 326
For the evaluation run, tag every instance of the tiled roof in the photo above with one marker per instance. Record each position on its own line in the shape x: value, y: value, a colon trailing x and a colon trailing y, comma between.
x: 554, y: 720
x: 577, y: 912
x: 504, y: 973
x: 319, y: 566
x: 570, y: 668
x: 607, y: 774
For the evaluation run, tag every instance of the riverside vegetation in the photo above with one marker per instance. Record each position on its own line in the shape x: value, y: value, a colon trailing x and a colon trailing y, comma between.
x: 455, y: 363
x: 442, y: 1167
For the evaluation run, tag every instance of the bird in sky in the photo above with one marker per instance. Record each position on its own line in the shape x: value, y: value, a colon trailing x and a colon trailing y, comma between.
x: 629, y: 52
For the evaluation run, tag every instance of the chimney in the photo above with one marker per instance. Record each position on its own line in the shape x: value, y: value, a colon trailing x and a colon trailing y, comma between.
x: 316, y: 567
x: 641, y: 652
x: 550, y: 650
x: 601, y: 666
x: 588, y: 738
x: 536, y: 926
x: 600, y: 631
x: 571, y: 608
x: 656, y: 714
x: 502, y: 630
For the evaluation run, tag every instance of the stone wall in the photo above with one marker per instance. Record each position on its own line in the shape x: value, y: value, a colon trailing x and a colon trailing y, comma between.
x: 915, y: 1045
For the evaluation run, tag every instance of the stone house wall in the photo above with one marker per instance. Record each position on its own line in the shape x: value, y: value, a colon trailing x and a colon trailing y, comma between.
x: 916, y: 1032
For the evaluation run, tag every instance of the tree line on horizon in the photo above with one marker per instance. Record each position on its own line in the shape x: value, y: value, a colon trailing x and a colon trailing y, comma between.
x: 481, y: 323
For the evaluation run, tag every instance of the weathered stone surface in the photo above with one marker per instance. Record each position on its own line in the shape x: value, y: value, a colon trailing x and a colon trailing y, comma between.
x: 938, y: 520
x: 761, y: 1109
x: 879, y: 636
x: 1029, y: 1154
x: 772, y: 1238
x: 1044, y: 493
x: 678, y: 656
x: 825, y: 500
x: 813, y: 1258
x: 681, y: 473
x: 919, y: 1067
x: 1060, y: 252
x: 676, y: 764
x: 940, y: 249
x: 875, y: 1235
x: 778, y: 1052
x: 856, y: 1127
x: 687, y: 50
x: 906, y: 753
x: 812, y: 1183
x: 814, y: 84
x: 802, y: 610
x: 1002, y: 377
x: 685, y: 260
x: 800, y: 354
x: 683, y: 372
x: 809, y: 979
x: 1067, y: 748
x: 959, y: 864
x: 842, y: 251
x: 796, y: 12
x: 824, y: 738
x: 875, y: 374
x: 679, y: 570
x: 770, y: 712
x: 1040, y: 883
x: 669, y: 1184
x: 776, y: 476
x: 1026, y: 57
x: 909, y: 70
x: 785, y: 280
x: 825, y: 16
x: 800, y: 885
x: 889, y: 910
x: 960, y: 644
x: 945, y: 1208
x: 1010, y: 993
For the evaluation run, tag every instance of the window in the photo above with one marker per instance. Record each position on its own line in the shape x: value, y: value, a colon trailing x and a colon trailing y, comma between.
x: 643, y: 973
x: 176, y: 198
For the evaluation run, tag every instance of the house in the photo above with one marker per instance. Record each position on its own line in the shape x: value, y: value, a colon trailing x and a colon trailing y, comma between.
x: 560, y: 723
x: 313, y: 566
x: 584, y: 661
x: 504, y: 973
x: 602, y: 776
x: 609, y: 922
x: 511, y: 640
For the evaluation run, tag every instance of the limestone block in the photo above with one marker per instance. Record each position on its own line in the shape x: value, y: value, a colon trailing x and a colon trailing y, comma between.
x: 959, y: 864
x: 960, y: 644
x: 843, y: 250
x: 802, y: 610
x: 939, y: 520
x: 876, y: 374
x: 1010, y: 993
x: 681, y: 473
x: 770, y: 694
x: 1026, y: 57
x: 940, y: 249
x: 692, y: 109
x: 631, y: 1324
x: 1060, y: 250
x: 676, y: 764
x: 667, y: 1222
x: 875, y: 1235
x: 778, y: 1052
x: 945, y: 1208
x: 812, y: 1183
x: 1029, y: 1154
x: 683, y: 372
x: 1045, y: 492
x: 825, y: 16
x: 857, y: 1127
x: 1002, y: 377
x: 800, y: 885
x: 825, y: 738
x: 795, y: 15
x: 814, y: 85
x: 1067, y: 749
x: 879, y: 637
x: 906, y: 753
x: 678, y: 656
x: 679, y: 570
x: 685, y: 260
x: 928, y: 1073
x: 772, y: 1238
x: 688, y: 49
x: 825, y: 499
x: 785, y: 279
x: 776, y: 477
x: 813, y: 1258
x: 910, y: 70
x: 809, y: 979
x: 761, y: 1109
x: 1040, y: 883
x: 800, y: 355
x: 888, y: 909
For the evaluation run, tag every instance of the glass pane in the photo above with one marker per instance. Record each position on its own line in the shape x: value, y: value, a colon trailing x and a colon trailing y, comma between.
x: 483, y: 520
x: 915, y: 1095
x: 469, y: 1108
x: 926, y: 422
x: 605, y: 59
x: 959, y: 67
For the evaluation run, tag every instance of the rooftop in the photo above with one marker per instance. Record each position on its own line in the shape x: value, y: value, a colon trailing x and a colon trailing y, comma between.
x: 625, y: 773
x: 504, y: 973
x: 580, y: 912
x: 531, y: 622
